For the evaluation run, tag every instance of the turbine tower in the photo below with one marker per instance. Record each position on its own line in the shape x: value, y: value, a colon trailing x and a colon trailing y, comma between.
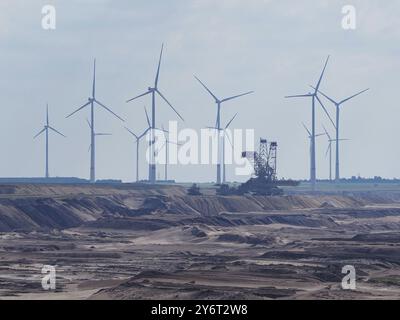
x: 153, y: 91
x: 337, y: 125
x: 218, y: 122
x: 310, y: 136
x: 314, y: 96
x: 46, y: 130
x: 91, y: 101
x: 223, y: 146
x: 138, y: 138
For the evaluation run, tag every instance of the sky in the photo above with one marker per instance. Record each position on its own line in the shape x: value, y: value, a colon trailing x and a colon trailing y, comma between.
x: 274, y: 47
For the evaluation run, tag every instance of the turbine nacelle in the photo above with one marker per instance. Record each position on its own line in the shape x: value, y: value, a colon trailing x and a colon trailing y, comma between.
x: 154, y: 90
x: 46, y: 128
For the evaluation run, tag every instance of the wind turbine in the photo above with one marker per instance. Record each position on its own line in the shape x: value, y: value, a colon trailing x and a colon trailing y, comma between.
x: 338, y: 105
x: 91, y: 101
x: 223, y: 146
x: 153, y: 91
x: 138, y: 138
x: 46, y: 130
x: 218, y: 122
x: 314, y: 96
x: 310, y: 136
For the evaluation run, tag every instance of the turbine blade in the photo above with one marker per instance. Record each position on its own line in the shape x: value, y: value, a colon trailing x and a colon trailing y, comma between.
x: 87, y: 121
x: 175, y: 143
x: 147, y: 117
x: 131, y: 132
x: 51, y: 128
x: 103, y: 134
x: 109, y: 110
x: 326, y: 111
x: 162, y: 130
x: 237, y: 96
x: 326, y: 96
x: 43, y: 130
x: 299, y: 96
x: 208, y: 90
x: 229, y: 123
x: 305, y: 127
x: 322, y: 74
x: 326, y: 132
x: 47, y: 114
x: 94, y: 79
x: 329, y: 147
x: 79, y: 109
x: 159, y: 65
x: 229, y: 139
x: 213, y: 128
x: 141, y: 95
x: 161, y: 95
x: 345, y: 100
x: 144, y: 133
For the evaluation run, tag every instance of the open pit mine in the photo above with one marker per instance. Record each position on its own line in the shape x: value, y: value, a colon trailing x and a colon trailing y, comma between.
x: 158, y: 242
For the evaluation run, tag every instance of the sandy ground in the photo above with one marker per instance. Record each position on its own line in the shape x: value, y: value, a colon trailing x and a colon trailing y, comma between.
x: 207, y: 250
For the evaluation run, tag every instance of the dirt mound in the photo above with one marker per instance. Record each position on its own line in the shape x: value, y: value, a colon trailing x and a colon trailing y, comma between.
x: 145, y: 207
x: 181, y: 286
x: 52, y: 190
x: 327, y: 205
x: 32, y: 214
x: 245, y: 239
x: 198, y: 233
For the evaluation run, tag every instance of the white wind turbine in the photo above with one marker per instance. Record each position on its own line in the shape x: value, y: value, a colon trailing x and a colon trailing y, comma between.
x: 92, y: 101
x: 153, y: 91
x: 219, y: 102
x: 337, y: 125
x: 223, y: 130
x: 314, y: 96
x: 46, y: 129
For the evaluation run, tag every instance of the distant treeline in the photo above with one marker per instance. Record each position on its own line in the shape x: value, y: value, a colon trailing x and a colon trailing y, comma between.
x: 355, y: 179
x: 55, y: 180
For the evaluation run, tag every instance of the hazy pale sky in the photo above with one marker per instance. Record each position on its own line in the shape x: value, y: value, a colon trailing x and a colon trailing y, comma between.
x: 274, y: 47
